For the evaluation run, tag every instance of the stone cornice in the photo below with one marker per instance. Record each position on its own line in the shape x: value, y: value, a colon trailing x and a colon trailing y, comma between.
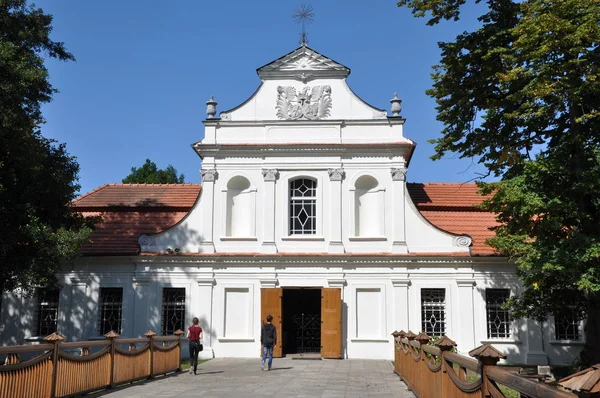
x: 311, y: 123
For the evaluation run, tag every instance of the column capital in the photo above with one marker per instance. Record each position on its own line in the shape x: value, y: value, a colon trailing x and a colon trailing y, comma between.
x: 401, y: 282
x: 270, y: 174
x: 209, y: 175
x: 398, y: 174
x: 336, y: 174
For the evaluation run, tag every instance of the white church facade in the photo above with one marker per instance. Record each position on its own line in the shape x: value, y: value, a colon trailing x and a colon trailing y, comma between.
x: 304, y: 213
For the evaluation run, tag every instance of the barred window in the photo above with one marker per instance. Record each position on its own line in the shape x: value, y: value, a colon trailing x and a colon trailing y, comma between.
x: 433, y: 311
x: 47, y: 314
x: 303, y: 207
x: 111, y: 309
x: 173, y: 310
x: 498, y: 319
x: 567, y: 324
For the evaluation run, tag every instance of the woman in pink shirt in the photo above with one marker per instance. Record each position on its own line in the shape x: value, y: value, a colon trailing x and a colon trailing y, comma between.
x: 194, y: 334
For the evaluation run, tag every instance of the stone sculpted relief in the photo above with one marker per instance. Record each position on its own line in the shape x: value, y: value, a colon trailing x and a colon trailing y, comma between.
x: 312, y: 103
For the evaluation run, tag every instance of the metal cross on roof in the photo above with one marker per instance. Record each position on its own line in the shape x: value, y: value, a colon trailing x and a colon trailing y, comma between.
x: 304, y: 15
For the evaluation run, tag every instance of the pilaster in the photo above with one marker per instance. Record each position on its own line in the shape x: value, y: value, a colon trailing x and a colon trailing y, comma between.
x: 209, y: 176
x: 336, y: 176
x: 268, y: 245
x: 80, y: 304
x: 203, y: 304
x: 141, y: 287
x: 535, y: 344
x: 398, y: 223
x: 401, y: 304
x: 464, y: 320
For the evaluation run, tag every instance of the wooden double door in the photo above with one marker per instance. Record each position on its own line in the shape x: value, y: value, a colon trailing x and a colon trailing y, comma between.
x: 331, y: 319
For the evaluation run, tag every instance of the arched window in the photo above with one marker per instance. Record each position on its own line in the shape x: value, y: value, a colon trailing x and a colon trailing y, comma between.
x: 240, y: 208
x: 368, y: 207
x: 303, y: 206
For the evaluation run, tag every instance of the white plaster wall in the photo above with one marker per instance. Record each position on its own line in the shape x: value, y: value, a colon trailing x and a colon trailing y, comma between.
x: 398, y: 285
x: 344, y: 103
x: 197, y: 227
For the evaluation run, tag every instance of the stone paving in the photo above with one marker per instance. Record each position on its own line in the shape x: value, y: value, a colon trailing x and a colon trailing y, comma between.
x: 228, y: 377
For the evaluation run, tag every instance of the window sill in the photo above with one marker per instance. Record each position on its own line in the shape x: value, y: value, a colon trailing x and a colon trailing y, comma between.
x: 303, y: 237
x: 500, y: 341
x: 236, y: 339
x: 238, y: 238
x: 567, y: 342
x: 367, y: 340
x: 366, y: 238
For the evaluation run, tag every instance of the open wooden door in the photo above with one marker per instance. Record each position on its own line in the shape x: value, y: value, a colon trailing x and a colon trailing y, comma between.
x: 270, y: 304
x: 331, y: 322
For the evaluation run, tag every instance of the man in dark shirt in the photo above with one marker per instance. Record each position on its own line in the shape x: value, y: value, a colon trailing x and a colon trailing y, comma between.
x: 268, y: 339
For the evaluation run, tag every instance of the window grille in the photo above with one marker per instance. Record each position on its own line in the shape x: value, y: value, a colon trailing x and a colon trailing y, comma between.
x: 303, y: 207
x: 47, y: 316
x: 567, y: 325
x: 433, y: 311
x: 111, y: 309
x: 173, y: 310
x: 498, y: 319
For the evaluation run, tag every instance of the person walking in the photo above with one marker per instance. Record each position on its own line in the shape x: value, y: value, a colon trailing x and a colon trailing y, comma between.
x: 194, y: 334
x: 268, y: 339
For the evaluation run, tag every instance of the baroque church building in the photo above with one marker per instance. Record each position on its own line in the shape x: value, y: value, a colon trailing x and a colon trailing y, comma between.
x: 303, y: 213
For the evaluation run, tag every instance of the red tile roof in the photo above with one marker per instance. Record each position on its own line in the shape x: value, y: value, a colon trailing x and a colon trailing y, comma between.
x: 451, y: 207
x: 129, y: 210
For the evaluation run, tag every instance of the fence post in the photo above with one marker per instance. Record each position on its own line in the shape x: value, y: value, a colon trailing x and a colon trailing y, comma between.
x: 396, y: 356
x: 445, y: 344
x: 487, y: 356
x: 179, y: 333
x: 54, y: 339
x: 112, y: 335
x: 150, y: 335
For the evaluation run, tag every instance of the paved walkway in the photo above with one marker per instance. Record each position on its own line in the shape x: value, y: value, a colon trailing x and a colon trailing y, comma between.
x: 229, y: 377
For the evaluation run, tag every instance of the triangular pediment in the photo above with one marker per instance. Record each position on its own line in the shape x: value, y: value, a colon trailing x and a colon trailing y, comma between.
x: 303, y: 63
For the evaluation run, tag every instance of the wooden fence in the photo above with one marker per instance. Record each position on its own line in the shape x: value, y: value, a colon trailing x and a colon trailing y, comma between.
x: 56, y: 373
x: 434, y: 371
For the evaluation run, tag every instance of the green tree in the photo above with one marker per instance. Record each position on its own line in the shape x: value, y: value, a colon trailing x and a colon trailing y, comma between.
x: 38, y: 178
x: 521, y: 93
x: 149, y: 173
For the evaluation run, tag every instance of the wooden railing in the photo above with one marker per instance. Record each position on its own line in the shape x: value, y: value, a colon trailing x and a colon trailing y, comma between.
x: 56, y: 373
x: 434, y: 371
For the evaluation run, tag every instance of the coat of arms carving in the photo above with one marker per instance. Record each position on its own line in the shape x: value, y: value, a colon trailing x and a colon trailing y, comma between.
x: 311, y: 103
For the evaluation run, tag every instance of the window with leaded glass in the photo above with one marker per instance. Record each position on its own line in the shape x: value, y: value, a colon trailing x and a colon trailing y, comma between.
x: 498, y: 318
x: 111, y: 309
x: 173, y: 310
x: 433, y: 311
x: 47, y: 314
x: 303, y: 207
x: 567, y: 324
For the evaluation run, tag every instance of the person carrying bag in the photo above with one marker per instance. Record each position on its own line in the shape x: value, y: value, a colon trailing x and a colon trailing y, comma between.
x: 195, y: 334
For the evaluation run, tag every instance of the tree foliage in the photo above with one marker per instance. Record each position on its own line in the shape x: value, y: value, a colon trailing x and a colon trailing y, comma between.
x: 522, y: 94
x: 38, y: 178
x: 149, y: 173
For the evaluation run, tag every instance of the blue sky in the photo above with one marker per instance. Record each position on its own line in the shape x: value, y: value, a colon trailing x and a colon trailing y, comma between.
x: 145, y: 69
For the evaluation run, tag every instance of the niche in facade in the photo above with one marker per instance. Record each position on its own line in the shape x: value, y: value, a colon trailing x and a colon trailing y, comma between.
x: 368, y: 207
x: 240, y: 208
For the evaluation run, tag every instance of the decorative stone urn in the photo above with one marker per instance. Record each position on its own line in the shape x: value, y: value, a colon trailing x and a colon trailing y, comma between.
x: 396, y: 108
x: 211, y: 107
